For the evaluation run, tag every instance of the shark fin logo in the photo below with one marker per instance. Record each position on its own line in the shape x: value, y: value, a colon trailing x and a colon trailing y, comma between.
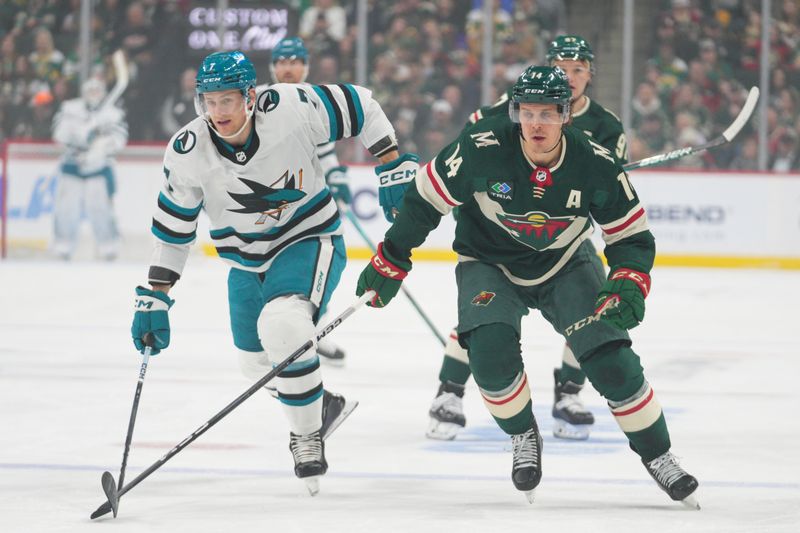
x: 269, y: 200
x: 184, y: 142
x: 535, y: 229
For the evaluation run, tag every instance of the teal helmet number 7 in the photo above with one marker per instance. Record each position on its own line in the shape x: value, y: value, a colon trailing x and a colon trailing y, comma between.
x: 224, y: 71
x: 541, y: 85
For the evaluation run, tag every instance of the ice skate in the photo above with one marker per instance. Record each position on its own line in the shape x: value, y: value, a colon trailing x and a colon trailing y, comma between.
x: 309, y: 459
x: 673, y: 479
x: 571, y: 419
x: 526, y: 471
x: 335, y: 409
x: 447, y: 412
x: 330, y: 353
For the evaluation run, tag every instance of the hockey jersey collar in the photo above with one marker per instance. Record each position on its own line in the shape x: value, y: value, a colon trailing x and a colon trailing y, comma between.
x: 241, y: 155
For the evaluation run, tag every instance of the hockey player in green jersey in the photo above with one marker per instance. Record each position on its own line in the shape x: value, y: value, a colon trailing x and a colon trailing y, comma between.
x: 571, y: 419
x: 527, y: 189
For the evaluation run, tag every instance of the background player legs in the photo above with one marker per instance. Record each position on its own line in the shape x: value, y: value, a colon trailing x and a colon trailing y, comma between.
x: 447, y: 411
x: 100, y: 212
x: 67, y: 213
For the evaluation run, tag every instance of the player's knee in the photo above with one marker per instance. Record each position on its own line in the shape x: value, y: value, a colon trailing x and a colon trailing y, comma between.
x: 284, y: 325
x: 614, y: 370
x: 254, y: 365
x: 494, y: 355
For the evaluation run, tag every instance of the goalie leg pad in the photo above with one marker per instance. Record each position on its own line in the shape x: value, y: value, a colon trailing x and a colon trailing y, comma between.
x: 284, y: 325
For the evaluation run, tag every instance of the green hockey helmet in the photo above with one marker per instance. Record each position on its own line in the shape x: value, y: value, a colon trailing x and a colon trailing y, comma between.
x: 541, y: 85
x: 570, y: 48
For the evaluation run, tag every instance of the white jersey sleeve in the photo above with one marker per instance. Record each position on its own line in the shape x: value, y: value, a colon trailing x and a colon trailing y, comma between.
x: 346, y: 110
x: 175, y: 219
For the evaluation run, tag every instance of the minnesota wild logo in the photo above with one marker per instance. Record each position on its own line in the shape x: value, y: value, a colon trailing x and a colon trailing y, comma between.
x: 535, y: 229
x: 268, y: 200
x: 483, y: 298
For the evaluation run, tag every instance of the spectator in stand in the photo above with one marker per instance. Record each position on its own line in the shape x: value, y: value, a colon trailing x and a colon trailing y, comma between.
x: 687, y: 133
x: 137, y: 39
x: 646, y: 103
x: 655, y: 133
x: 178, y: 108
x: 322, y: 27
x: 687, y: 27
x: 45, y: 60
x: 502, y: 26
x: 786, y: 157
x: 747, y: 158
x: 671, y: 69
x: 686, y: 98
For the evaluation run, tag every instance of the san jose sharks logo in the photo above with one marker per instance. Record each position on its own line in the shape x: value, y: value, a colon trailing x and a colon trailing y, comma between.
x: 483, y: 298
x: 535, y: 229
x: 268, y: 200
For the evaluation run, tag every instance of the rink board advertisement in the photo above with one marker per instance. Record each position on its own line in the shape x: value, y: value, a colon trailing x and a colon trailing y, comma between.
x: 726, y: 219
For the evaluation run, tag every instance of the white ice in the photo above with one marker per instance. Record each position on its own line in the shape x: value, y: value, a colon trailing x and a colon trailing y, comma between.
x: 720, y: 347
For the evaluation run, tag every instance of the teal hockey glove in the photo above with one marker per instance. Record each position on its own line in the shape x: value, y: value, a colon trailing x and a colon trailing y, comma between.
x: 393, y: 178
x: 383, y: 275
x: 151, y: 319
x: 620, y: 301
x: 339, y: 184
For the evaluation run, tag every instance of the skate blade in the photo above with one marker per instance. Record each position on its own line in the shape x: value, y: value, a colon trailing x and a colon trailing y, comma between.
x: 691, y: 502
x: 565, y: 430
x: 349, y: 407
x: 442, y: 430
x: 530, y: 495
x: 312, y: 484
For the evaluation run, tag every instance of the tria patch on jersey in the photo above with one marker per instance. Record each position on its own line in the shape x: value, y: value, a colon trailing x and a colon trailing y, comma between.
x: 483, y: 298
x: 267, y: 200
x: 535, y: 229
x: 184, y: 142
x: 500, y: 190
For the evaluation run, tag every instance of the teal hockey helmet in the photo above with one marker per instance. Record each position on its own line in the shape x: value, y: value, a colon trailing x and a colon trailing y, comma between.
x: 223, y: 71
x: 541, y: 85
x: 570, y: 48
x: 290, y: 48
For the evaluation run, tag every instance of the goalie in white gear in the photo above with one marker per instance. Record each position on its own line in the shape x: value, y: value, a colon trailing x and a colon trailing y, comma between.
x: 250, y: 162
x: 290, y: 64
x: 92, y: 132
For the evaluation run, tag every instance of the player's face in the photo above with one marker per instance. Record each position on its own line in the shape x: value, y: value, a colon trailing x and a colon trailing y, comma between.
x: 289, y: 70
x: 541, y: 125
x: 226, y: 109
x: 579, y: 75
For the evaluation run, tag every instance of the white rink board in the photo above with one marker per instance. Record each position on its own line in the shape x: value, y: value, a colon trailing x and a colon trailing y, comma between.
x: 690, y: 214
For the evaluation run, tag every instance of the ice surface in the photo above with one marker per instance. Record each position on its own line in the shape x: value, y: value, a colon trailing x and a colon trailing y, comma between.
x: 721, y: 348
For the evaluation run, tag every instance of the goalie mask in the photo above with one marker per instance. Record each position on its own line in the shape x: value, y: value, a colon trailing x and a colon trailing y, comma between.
x: 93, y: 92
x: 291, y: 48
x: 226, y: 71
x: 542, y: 85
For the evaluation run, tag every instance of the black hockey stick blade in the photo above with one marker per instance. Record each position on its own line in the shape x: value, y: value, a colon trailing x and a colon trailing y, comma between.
x: 110, y: 488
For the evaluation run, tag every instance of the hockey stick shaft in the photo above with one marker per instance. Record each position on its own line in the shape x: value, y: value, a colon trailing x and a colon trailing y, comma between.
x: 106, y: 507
x: 129, y: 437
x: 357, y: 225
x: 122, y: 78
x: 727, y: 136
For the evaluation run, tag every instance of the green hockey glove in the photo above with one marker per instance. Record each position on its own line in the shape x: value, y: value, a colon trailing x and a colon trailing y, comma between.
x: 620, y: 301
x: 383, y: 275
x: 151, y: 319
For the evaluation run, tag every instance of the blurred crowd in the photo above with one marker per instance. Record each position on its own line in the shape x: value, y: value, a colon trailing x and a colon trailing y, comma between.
x: 424, y: 60
x: 705, y: 56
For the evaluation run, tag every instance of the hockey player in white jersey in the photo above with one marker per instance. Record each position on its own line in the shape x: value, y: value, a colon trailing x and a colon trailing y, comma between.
x: 92, y: 132
x: 251, y: 164
x: 289, y: 64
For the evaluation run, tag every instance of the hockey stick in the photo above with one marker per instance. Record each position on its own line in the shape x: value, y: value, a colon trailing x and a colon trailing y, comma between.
x: 354, y: 221
x: 107, y: 480
x: 726, y: 137
x: 115, y: 495
x: 121, y: 74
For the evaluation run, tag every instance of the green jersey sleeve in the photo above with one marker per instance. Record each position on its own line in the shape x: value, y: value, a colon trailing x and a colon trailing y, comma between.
x: 622, y: 218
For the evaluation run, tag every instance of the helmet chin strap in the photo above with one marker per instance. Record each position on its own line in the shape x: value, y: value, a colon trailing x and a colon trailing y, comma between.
x: 240, y: 130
